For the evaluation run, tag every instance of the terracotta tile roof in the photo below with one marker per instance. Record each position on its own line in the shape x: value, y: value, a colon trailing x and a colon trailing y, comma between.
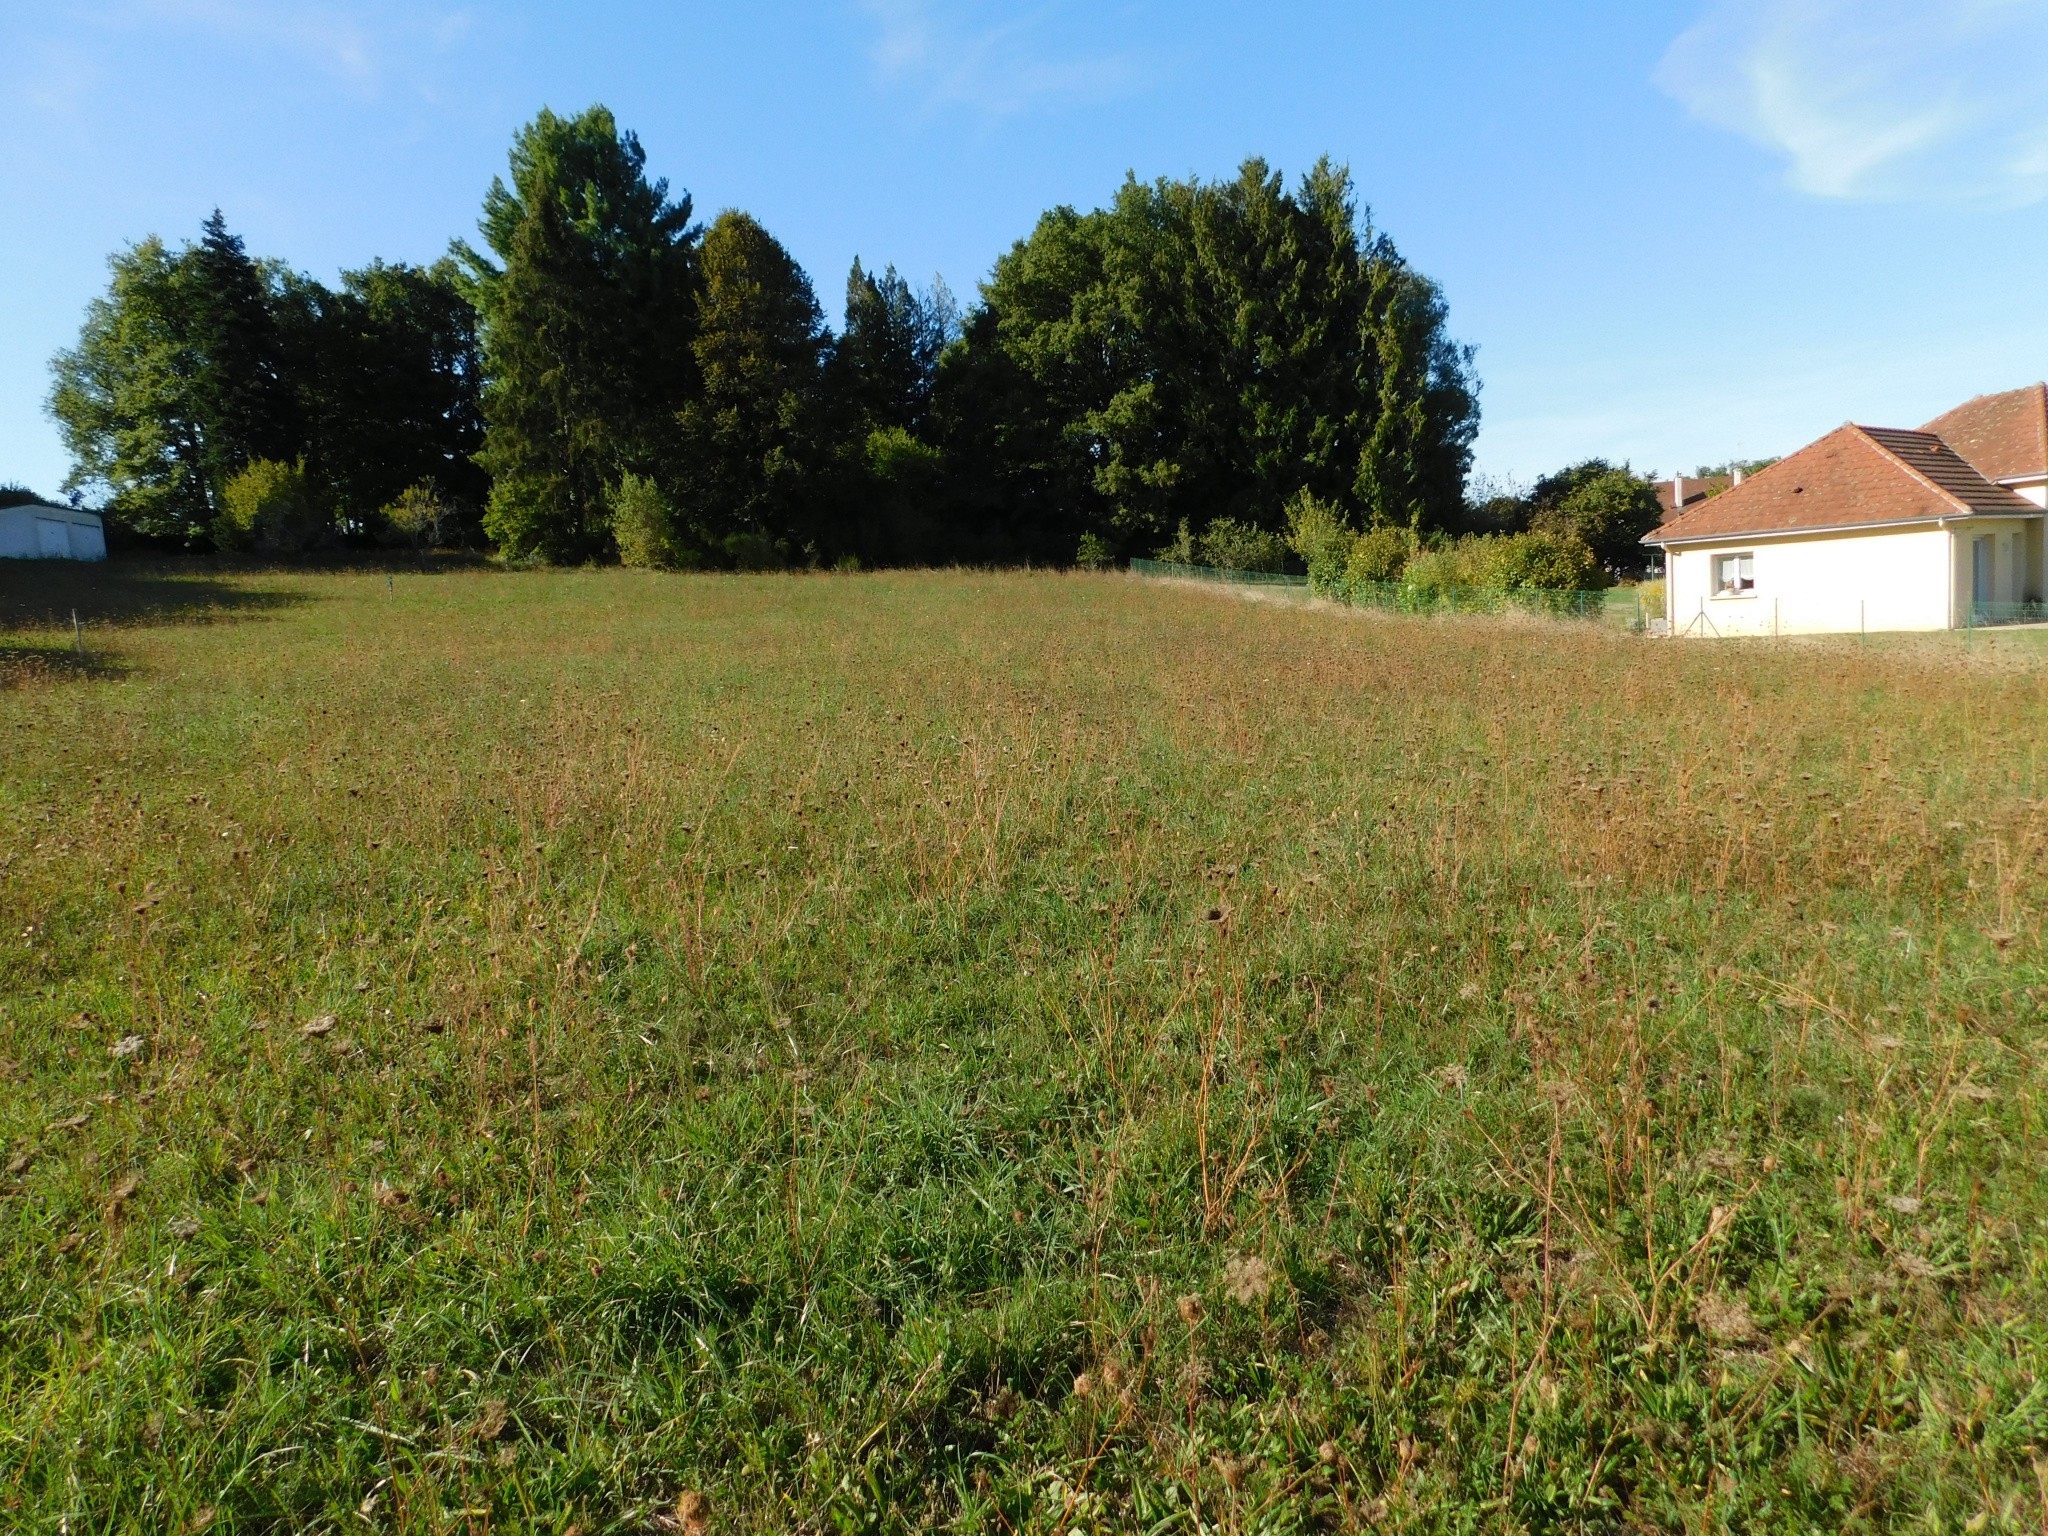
x: 1853, y: 477
x: 1697, y: 490
x: 2004, y: 436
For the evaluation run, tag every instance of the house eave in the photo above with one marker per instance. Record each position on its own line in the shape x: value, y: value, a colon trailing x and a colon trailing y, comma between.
x: 1753, y: 535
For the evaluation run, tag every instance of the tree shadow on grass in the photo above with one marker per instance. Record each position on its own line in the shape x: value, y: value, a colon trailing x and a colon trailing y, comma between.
x: 25, y: 666
x: 45, y: 594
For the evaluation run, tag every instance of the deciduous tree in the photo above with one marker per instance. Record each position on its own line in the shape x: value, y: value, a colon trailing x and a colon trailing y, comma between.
x: 1213, y: 349
x: 180, y: 378
x: 392, y: 382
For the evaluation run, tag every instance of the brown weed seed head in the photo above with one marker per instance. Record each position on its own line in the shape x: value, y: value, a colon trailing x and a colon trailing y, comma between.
x: 1248, y: 1278
x: 1192, y: 1311
x: 1234, y: 1469
x: 1724, y: 1319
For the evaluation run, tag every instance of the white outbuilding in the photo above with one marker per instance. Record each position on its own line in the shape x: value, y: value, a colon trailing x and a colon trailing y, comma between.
x: 39, y: 532
x: 1873, y: 528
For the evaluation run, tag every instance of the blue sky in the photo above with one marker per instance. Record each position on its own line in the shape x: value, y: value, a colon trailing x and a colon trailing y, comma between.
x: 1677, y: 230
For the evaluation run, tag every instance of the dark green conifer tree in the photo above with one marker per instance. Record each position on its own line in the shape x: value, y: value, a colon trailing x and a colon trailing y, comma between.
x: 588, y: 314
x: 749, y: 444
x: 246, y: 378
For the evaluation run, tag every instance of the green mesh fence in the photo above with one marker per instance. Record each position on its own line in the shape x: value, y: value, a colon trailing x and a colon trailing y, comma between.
x: 1397, y: 597
x: 1618, y: 606
x: 1989, y: 615
x: 1211, y: 573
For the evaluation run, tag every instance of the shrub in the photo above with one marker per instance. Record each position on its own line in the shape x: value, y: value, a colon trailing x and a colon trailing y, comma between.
x: 1181, y: 551
x: 421, y: 516
x: 1506, y: 562
x: 1432, y: 572
x: 1380, y: 555
x: 1650, y: 597
x: 1540, y: 562
x: 643, y: 525
x: 1318, y: 533
x: 1094, y: 552
x: 273, y: 508
x: 1230, y: 545
x: 754, y: 552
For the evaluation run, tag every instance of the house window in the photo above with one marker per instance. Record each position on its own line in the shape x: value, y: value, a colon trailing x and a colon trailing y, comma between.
x: 1734, y: 575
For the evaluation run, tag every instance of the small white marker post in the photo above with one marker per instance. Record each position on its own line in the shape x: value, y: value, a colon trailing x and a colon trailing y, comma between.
x: 77, y: 634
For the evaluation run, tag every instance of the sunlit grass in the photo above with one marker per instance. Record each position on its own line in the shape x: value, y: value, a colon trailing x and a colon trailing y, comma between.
x: 1007, y: 1052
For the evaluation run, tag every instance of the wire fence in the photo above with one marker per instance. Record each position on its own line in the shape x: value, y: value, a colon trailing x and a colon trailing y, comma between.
x: 1212, y: 573
x: 1399, y: 597
x: 1616, y: 606
x: 1724, y: 617
x: 1990, y: 615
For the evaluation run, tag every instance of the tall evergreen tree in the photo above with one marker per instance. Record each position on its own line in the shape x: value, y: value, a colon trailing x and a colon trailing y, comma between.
x: 749, y: 440
x: 588, y: 315
x: 885, y: 362
x: 1412, y: 468
x: 888, y: 496
x: 248, y: 384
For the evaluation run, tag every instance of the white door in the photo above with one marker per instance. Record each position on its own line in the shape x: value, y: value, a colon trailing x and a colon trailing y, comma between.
x: 53, y: 539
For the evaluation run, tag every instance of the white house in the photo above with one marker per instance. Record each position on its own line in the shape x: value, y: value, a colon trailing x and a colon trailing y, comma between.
x: 38, y: 532
x: 1872, y: 528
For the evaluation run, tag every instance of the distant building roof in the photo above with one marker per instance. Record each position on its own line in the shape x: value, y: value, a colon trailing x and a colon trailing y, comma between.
x: 2005, y: 436
x: 1853, y: 477
x: 1697, y: 489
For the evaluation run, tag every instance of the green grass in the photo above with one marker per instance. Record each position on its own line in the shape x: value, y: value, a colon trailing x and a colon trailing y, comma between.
x: 1006, y: 1053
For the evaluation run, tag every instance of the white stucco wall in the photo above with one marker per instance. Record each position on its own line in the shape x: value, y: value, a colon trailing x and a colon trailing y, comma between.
x: 1901, y: 579
x: 1818, y: 584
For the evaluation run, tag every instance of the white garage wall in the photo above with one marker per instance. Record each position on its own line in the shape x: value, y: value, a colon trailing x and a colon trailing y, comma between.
x: 42, y: 533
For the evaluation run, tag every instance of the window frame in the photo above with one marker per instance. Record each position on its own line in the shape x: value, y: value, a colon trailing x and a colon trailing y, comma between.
x: 1717, y: 591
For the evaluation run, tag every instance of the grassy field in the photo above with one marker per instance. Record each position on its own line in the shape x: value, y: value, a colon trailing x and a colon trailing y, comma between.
x: 999, y: 1053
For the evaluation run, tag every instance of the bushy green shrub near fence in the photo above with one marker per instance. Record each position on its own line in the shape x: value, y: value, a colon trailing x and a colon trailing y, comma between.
x: 1408, y: 597
x: 274, y: 509
x: 1227, y: 544
x: 1342, y: 560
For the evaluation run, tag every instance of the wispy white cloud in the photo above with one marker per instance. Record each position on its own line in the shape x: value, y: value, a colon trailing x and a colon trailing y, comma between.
x: 360, y: 43
x: 998, y: 60
x: 1893, y: 99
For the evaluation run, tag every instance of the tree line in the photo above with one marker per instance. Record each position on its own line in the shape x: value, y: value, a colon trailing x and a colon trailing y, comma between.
x: 602, y: 377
